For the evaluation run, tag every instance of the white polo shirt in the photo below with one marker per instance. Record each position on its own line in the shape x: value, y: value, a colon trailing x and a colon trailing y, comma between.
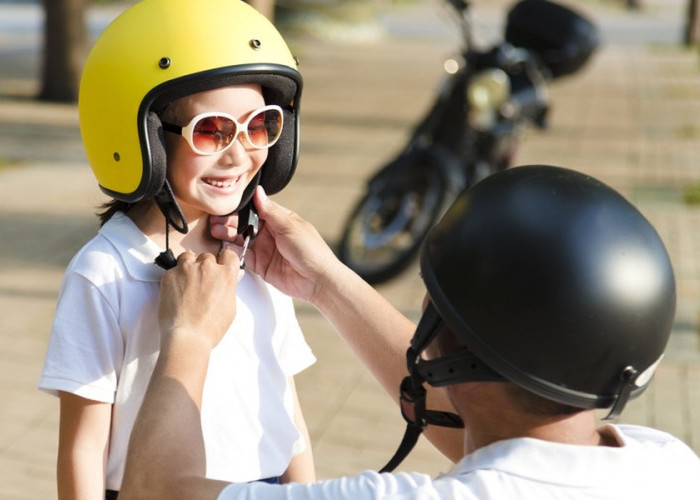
x: 651, y: 465
x: 105, y: 341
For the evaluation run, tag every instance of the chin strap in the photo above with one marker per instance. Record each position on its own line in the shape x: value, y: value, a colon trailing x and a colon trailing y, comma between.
x: 165, y: 200
x: 166, y: 259
x: 417, y: 417
x: 412, y: 392
x: 174, y: 217
x: 455, y: 368
x: 248, y: 224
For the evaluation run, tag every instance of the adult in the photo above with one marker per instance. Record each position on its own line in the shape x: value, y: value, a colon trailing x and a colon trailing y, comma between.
x: 548, y: 296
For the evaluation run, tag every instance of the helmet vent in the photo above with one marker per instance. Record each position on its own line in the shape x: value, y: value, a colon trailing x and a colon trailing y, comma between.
x: 255, y: 44
x: 116, y: 156
x: 164, y: 62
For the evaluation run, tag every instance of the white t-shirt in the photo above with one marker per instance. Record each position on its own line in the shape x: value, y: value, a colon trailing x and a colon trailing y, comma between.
x: 105, y: 340
x: 652, y: 465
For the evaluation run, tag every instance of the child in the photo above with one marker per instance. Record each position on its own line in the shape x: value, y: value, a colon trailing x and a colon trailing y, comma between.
x: 185, y: 107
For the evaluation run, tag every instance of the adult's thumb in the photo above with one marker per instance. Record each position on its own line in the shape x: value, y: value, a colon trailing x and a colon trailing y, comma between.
x: 272, y: 213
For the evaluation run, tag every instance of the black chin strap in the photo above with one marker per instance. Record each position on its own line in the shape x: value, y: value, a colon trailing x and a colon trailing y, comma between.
x: 165, y: 199
x: 412, y: 395
x: 417, y: 417
x: 410, y: 438
x: 174, y: 217
x: 460, y: 367
x: 166, y: 259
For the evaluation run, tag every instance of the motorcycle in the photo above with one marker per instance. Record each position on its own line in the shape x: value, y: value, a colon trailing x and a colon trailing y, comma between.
x: 471, y: 131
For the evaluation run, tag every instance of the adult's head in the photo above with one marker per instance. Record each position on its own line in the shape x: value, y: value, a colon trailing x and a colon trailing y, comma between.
x: 159, y: 51
x: 552, y: 281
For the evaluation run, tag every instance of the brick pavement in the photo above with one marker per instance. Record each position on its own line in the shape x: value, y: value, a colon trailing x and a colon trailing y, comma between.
x: 629, y: 119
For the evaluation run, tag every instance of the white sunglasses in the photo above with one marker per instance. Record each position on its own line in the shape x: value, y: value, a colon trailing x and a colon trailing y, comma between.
x: 213, y: 132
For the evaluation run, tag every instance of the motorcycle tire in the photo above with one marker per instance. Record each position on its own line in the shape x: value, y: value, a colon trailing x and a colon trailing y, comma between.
x: 388, y: 224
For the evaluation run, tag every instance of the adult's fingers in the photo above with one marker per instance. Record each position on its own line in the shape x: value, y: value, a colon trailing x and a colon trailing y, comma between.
x: 186, y: 256
x: 224, y: 228
x: 227, y: 257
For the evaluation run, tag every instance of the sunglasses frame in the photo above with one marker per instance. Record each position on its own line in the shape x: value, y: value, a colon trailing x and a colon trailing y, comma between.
x: 187, y: 131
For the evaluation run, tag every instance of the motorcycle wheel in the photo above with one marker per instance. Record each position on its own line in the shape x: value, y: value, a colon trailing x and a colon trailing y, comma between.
x: 387, y: 226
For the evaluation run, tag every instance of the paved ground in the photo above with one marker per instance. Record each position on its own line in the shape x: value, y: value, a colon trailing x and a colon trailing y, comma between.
x: 630, y: 119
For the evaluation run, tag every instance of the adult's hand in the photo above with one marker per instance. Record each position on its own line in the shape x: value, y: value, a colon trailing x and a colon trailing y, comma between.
x: 198, y: 297
x: 288, y: 252
x: 166, y: 457
x: 291, y: 255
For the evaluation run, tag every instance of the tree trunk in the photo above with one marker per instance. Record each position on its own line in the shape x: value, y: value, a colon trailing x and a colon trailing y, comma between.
x: 65, y: 49
x: 692, y: 27
x: 265, y: 7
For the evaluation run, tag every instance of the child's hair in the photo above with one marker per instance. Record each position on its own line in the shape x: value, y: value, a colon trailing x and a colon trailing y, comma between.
x: 111, y: 207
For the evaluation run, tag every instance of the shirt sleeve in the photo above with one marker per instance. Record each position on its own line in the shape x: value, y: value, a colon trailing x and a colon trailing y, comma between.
x: 367, y: 485
x: 292, y: 351
x: 85, y: 348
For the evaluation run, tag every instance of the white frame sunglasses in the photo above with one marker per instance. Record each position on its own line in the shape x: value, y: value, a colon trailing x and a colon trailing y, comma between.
x: 187, y: 132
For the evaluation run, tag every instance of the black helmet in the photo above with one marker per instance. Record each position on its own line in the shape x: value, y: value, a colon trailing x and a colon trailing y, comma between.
x: 555, y: 282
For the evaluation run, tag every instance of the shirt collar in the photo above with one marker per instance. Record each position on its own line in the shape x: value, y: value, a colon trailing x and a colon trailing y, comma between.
x: 137, y: 251
x: 548, y: 461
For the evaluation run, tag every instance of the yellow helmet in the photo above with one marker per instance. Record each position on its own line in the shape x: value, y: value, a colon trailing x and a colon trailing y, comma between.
x: 158, y: 51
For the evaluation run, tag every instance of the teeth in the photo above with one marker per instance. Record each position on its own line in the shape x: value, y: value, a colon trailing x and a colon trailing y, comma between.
x: 220, y: 184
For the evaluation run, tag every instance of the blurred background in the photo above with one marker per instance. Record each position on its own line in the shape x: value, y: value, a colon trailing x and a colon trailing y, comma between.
x: 371, y: 69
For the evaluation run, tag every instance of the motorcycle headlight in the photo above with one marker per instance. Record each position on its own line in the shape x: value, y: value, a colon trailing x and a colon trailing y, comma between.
x: 488, y: 90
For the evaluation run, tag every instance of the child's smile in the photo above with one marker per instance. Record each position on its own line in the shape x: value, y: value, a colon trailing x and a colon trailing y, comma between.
x: 223, y: 184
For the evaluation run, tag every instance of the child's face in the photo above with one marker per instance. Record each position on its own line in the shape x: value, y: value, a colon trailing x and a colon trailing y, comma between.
x: 213, y: 184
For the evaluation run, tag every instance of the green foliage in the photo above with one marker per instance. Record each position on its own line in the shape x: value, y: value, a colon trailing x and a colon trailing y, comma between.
x: 691, y: 195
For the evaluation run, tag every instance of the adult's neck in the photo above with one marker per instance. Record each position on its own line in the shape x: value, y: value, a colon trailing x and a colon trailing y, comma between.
x: 490, y: 416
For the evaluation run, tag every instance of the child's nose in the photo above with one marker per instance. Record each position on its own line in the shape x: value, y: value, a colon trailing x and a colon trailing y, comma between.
x: 237, y: 152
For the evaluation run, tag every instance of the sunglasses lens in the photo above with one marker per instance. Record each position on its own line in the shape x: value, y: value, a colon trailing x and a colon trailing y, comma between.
x: 264, y: 128
x: 213, y: 133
